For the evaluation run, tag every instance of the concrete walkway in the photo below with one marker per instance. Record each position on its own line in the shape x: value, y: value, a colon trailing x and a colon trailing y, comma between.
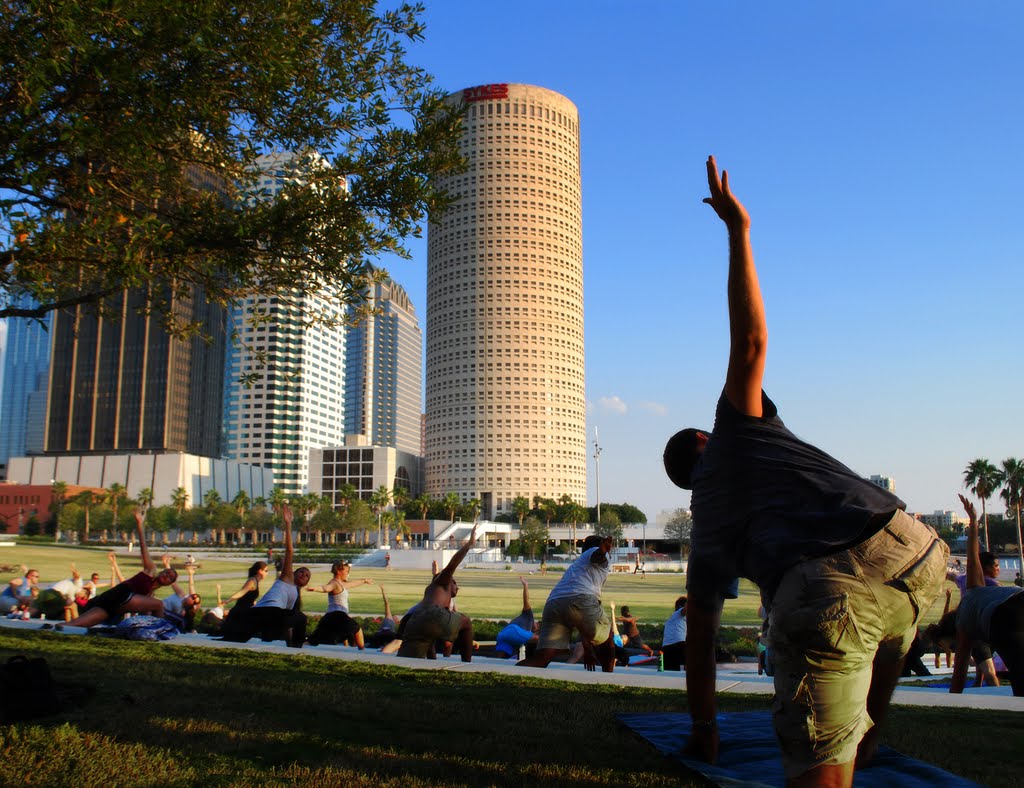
x: 734, y: 678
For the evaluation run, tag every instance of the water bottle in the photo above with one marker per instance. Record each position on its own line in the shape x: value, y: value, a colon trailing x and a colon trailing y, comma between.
x: 661, y: 662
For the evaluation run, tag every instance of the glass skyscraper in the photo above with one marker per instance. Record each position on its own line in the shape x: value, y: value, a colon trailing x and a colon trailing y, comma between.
x: 295, y: 398
x: 384, y: 372
x: 26, y: 365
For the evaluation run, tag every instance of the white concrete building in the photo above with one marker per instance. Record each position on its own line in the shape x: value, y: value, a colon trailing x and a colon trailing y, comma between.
x: 296, y: 401
x: 162, y: 473
x: 505, y: 400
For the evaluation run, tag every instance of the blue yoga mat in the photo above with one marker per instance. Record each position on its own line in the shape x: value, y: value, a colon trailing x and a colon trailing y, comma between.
x: 749, y: 754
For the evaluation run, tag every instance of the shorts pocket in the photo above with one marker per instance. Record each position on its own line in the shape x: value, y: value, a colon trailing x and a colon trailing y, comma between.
x: 821, y: 624
x: 922, y: 578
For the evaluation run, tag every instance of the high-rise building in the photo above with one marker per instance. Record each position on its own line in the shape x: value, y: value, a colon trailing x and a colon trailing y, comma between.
x: 120, y: 383
x: 505, y: 404
x: 25, y: 375
x: 384, y: 371
x: 285, y: 381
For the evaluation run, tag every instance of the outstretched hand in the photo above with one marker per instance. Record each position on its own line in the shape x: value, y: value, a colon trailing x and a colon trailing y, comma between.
x: 969, y: 508
x: 729, y: 209
x: 589, y: 660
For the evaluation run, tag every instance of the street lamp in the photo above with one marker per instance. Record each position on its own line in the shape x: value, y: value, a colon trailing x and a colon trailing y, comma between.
x: 597, y: 473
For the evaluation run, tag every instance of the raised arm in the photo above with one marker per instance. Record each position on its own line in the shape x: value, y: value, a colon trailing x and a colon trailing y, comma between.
x: 115, y: 570
x: 147, y: 563
x: 975, y: 575
x: 191, y: 578
x: 289, y: 549
x: 247, y: 586
x: 220, y: 602
x: 445, y: 575
x: 526, y: 593
x: 748, y: 329
x: 387, y: 605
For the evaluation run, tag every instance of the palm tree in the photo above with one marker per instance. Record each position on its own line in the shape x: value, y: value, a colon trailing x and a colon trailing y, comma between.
x: 241, y: 502
x: 379, y: 501
x: 471, y: 509
x: 87, y: 499
x: 1013, y: 493
x: 575, y: 513
x: 451, y: 503
x: 211, y: 500
x: 57, y: 491
x: 116, y: 493
x: 402, y: 529
x: 308, y: 505
x: 278, y: 498
x: 983, y: 479
x: 179, y: 499
x: 400, y: 497
x: 145, y: 498
x: 521, y: 508
x: 422, y: 503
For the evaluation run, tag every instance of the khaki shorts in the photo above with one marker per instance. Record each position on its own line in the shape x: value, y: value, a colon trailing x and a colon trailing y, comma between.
x: 426, y: 625
x: 831, y: 617
x: 582, y: 612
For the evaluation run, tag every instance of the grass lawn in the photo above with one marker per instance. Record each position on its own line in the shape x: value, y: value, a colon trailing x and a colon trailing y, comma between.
x: 176, y: 715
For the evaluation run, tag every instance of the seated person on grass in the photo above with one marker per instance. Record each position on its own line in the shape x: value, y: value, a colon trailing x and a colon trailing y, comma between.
x: 129, y: 596
x: 336, y: 625
x: 388, y: 629
x: 632, y: 637
x: 181, y: 608
x: 278, y: 615
x: 433, y: 620
x: 520, y: 631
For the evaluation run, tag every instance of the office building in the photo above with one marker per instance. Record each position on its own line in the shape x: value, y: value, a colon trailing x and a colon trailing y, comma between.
x: 384, y: 372
x: 23, y: 392
x: 505, y: 400
x: 120, y: 383
x: 294, y: 399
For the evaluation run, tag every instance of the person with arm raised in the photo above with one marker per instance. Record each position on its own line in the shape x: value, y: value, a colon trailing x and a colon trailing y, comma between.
x: 844, y: 573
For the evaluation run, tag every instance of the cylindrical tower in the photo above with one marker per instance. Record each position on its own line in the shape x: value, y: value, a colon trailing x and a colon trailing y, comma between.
x: 505, y: 410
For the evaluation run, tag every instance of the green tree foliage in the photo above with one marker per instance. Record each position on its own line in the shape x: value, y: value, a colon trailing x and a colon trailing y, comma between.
x: 534, y: 536
x: 521, y: 508
x: 609, y: 525
x: 678, y: 529
x: 1012, y: 493
x: 451, y: 504
x: 112, y: 114
x: 359, y: 517
x: 983, y: 479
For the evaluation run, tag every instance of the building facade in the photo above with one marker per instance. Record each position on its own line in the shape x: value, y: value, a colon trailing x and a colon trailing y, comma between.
x: 384, y: 372
x: 294, y: 400
x: 365, y: 467
x: 120, y: 383
x: 505, y: 400
x: 23, y: 392
x: 162, y: 473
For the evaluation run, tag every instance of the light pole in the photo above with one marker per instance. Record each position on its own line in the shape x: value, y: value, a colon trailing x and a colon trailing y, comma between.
x: 597, y: 473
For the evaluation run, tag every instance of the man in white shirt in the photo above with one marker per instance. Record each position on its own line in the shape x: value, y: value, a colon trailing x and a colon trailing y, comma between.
x: 673, y: 642
x: 575, y: 604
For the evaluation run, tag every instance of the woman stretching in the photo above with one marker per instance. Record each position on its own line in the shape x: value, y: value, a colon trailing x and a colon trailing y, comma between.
x: 133, y: 595
x: 244, y: 598
x: 278, y: 614
x: 992, y: 614
x: 337, y: 626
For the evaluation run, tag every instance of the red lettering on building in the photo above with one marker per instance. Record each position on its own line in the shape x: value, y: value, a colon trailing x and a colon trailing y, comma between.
x: 485, y: 92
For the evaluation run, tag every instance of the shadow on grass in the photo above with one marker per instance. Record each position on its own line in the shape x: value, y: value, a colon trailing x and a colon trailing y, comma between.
x: 193, y: 716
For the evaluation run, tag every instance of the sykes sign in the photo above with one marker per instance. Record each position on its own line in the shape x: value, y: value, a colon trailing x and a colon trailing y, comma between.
x: 485, y: 92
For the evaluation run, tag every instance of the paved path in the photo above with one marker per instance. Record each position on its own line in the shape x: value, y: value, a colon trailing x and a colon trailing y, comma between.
x: 734, y: 678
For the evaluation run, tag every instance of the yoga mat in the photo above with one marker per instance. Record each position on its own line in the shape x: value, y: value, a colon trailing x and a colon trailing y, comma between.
x: 749, y: 754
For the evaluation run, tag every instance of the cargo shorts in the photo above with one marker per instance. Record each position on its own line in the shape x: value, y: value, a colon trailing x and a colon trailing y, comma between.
x: 582, y: 612
x: 831, y: 618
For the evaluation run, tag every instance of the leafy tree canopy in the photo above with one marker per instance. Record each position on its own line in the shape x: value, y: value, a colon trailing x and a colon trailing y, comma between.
x: 130, y: 137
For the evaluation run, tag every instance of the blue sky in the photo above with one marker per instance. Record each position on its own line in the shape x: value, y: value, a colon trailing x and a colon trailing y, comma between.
x: 877, y: 146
